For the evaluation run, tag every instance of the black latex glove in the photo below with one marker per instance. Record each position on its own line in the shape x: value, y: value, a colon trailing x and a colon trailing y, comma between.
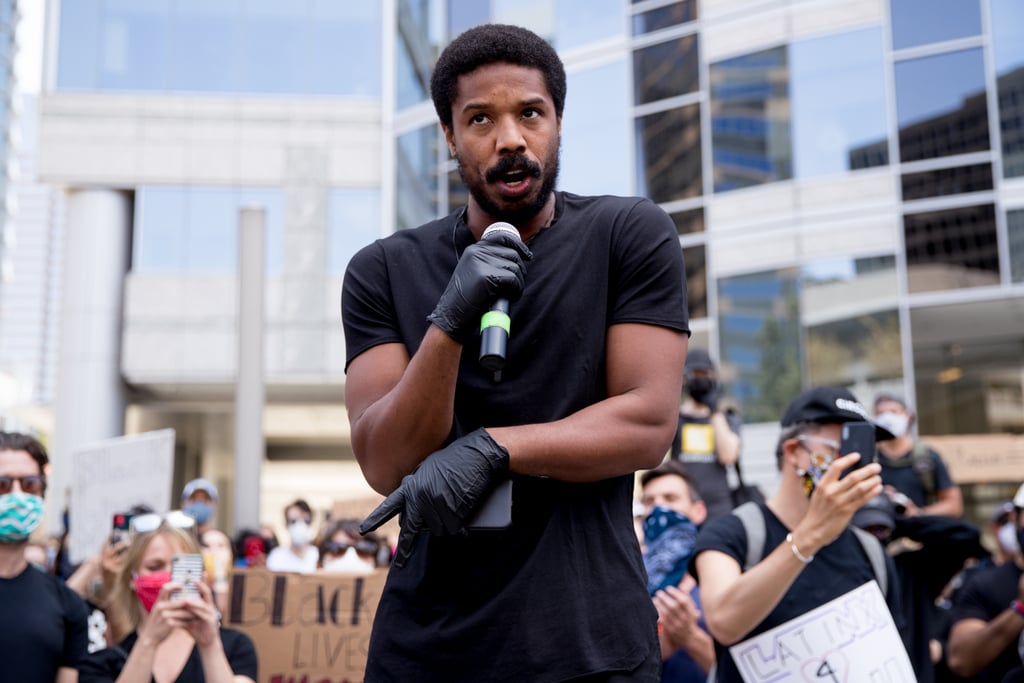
x: 488, y: 270
x: 446, y: 489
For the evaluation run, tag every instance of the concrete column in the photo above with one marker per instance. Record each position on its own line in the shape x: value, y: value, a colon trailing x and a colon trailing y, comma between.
x: 249, y: 388
x: 90, y: 394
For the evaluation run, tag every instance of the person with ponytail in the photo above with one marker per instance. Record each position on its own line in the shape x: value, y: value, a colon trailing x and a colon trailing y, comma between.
x: 171, y: 638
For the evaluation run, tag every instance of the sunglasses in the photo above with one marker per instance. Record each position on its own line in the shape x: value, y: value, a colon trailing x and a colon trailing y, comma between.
x: 364, y: 547
x: 144, y: 524
x: 33, y: 484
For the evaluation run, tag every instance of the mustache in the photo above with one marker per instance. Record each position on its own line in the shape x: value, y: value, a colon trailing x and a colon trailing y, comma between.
x: 516, y: 162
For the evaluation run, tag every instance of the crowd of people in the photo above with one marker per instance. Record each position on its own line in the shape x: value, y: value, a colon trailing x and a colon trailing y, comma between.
x: 519, y: 557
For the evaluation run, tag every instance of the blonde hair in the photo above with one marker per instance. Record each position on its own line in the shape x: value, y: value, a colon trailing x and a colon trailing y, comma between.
x: 124, y: 611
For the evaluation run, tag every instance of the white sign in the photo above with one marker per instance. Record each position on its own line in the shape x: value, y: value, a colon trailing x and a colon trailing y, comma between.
x: 113, y: 475
x: 850, y: 639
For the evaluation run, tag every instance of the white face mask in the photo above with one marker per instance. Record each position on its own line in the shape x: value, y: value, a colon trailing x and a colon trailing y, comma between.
x: 349, y: 563
x: 300, y: 534
x: 896, y: 423
x: 1007, y: 537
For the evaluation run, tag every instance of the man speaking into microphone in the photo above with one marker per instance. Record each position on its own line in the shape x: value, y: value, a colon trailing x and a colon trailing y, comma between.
x: 549, y: 585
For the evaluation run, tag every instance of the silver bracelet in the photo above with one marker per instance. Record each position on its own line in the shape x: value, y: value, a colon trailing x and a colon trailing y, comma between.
x: 796, y: 551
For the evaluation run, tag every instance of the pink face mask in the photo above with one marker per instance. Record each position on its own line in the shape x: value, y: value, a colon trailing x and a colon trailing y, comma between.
x: 148, y: 586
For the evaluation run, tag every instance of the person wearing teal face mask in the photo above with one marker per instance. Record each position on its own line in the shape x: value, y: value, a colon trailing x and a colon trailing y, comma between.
x: 199, y: 501
x: 41, y: 619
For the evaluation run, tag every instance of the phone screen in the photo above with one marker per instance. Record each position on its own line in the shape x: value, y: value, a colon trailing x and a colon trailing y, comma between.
x: 858, y: 437
x: 120, y: 527
x: 186, y: 569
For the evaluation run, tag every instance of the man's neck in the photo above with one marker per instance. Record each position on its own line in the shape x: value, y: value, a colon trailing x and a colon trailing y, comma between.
x: 478, y: 220
x: 12, y: 559
x: 895, y: 448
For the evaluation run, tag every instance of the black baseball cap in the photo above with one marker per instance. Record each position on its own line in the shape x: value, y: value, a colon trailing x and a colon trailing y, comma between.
x: 829, y: 405
x: 698, y: 359
x: 879, y: 511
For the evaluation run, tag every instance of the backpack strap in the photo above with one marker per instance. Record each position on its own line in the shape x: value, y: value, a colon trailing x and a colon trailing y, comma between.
x: 876, y: 555
x: 752, y: 517
x: 924, y: 467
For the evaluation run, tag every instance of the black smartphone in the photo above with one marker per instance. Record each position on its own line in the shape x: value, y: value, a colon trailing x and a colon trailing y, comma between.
x: 120, y: 527
x: 858, y: 437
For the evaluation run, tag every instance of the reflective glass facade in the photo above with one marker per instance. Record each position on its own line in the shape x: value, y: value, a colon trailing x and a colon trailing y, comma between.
x: 920, y: 22
x: 1008, y: 55
x: 305, y: 47
x: 194, y: 229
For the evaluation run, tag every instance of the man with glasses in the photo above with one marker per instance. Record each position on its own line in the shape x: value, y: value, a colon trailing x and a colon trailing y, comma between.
x: 43, y: 624
x: 810, y: 555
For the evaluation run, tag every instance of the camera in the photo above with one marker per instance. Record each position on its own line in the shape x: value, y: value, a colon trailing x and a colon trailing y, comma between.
x: 899, y: 502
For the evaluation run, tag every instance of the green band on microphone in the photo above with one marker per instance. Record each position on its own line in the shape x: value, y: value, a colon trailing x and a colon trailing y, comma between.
x: 495, y: 319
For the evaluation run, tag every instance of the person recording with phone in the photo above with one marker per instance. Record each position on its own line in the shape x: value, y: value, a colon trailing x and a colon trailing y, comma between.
x: 587, y: 394
x: 807, y: 554
x: 174, y: 627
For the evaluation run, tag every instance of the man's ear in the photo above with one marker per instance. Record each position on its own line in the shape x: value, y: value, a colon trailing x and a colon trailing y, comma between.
x: 700, y: 512
x: 449, y: 137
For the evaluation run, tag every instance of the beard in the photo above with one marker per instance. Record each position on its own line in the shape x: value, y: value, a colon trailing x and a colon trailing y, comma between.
x: 520, y: 215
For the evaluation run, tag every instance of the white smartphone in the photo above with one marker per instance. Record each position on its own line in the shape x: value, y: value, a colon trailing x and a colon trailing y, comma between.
x: 186, y: 569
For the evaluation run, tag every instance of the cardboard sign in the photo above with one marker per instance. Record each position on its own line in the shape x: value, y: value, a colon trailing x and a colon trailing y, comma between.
x: 851, y: 638
x: 307, y: 628
x: 112, y: 476
x: 981, y: 458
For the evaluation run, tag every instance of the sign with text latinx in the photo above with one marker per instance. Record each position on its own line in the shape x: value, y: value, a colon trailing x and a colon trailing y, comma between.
x: 307, y: 628
x: 851, y: 638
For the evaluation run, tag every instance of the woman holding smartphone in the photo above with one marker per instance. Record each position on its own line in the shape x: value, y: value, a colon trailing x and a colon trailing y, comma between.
x: 174, y: 637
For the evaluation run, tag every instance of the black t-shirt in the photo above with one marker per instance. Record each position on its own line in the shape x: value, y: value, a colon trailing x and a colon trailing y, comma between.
x: 43, y: 627
x: 105, y: 666
x: 901, y: 473
x: 986, y: 595
x: 837, y: 569
x: 562, y: 592
x: 694, y: 446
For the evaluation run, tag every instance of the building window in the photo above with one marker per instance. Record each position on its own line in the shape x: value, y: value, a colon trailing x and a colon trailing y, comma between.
x: 837, y: 95
x: 951, y: 249
x: 353, y: 221
x: 940, y: 103
x: 665, y: 70
x: 596, y: 144
x: 750, y: 120
x: 919, y: 22
x: 689, y: 222
x: 416, y: 186
x: 190, y: 229
x: 664, y: 17
x: 417, y: 48
x: 759, y: 332
x: 947, y: 181
x: 669, y: 154
x: 1008, y: 52
x: 259, y: 46
x: 1015, y: 231
x: 695, y: 262
x: 852, y: 329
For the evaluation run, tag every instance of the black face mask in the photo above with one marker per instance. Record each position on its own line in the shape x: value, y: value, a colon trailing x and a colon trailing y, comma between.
x: 700, y: 387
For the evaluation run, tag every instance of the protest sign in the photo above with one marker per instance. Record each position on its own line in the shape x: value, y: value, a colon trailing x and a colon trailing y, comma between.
x: 307, y: 628
x: 113, y: 475
x: 851, y: 638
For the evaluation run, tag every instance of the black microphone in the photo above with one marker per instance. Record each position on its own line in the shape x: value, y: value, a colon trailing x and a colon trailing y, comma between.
x: 494, y: 325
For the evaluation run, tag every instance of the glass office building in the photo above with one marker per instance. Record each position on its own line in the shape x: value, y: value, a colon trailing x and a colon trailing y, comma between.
x: 846, y: 177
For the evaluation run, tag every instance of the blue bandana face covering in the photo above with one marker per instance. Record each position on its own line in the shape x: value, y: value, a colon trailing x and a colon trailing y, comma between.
x: 670, y: 537
x: 20, y: 514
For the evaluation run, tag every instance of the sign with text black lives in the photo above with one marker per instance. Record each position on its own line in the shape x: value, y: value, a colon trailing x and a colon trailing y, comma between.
x: 307, y: 628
